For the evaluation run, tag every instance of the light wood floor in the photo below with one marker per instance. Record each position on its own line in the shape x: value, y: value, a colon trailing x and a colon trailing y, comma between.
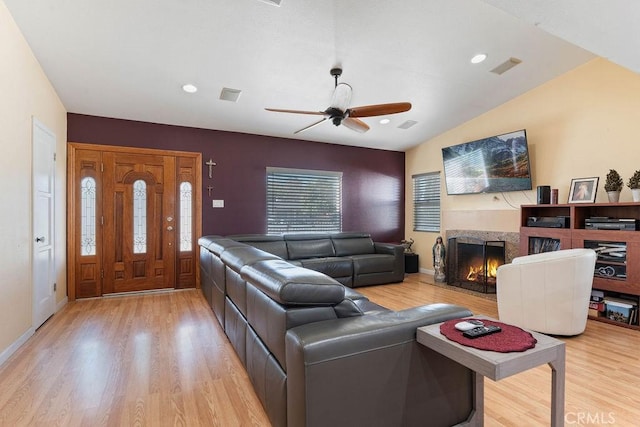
x: 162, y: 360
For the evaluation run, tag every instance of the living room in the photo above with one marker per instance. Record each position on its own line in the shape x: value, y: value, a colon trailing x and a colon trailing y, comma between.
x: 570, y: 122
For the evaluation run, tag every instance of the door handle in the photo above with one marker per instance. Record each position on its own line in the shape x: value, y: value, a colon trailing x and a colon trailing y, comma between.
x: 40, y: 239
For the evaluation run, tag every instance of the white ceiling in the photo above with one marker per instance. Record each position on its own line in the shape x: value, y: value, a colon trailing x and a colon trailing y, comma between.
x: 128, y: 59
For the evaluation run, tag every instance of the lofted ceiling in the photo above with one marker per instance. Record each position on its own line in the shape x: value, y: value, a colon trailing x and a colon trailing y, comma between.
x: 130, y: 59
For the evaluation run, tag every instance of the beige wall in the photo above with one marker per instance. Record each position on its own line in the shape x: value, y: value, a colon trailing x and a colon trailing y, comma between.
x: 25, y: 93
x: 579, y: 125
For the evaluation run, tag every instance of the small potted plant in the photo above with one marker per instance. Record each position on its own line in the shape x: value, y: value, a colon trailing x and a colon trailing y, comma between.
x: 634, y: 185
x: 613, y: 185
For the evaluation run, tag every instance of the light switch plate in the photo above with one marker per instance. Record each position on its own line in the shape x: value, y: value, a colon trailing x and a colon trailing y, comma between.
x: 217, y: 203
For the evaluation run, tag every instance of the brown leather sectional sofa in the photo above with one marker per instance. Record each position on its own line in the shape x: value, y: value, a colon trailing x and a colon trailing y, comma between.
x: 319, y: 353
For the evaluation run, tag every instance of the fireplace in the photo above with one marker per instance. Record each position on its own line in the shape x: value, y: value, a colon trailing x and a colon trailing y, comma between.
x: 473, y: 263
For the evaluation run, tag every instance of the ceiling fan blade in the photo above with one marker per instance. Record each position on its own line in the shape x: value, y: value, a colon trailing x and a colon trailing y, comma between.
x: 355, y: 124
x: 341, y: 97
x: 379, y: 109
x: 278, y: 110
x: 311, y: 125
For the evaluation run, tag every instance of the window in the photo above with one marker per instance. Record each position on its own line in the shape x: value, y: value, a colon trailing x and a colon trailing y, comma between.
x: 139, y: 217
x: 88, y: 216
x: 185, y: 217
x: 426, y: 202
x: 303, y: 200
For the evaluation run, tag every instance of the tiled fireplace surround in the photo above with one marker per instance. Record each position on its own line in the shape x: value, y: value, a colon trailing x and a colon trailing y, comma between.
x: 511, y: 239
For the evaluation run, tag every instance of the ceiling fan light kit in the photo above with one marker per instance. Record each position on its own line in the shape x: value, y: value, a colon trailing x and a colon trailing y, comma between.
x: 339, y: 113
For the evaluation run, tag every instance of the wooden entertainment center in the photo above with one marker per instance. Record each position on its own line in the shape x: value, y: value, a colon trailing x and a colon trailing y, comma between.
x: 616, y: 276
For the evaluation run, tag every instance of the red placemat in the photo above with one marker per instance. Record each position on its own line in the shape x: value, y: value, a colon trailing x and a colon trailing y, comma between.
x: 510, y: 339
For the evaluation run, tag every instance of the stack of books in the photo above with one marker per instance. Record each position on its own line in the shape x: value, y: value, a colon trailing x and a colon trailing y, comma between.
x: 596, y: 304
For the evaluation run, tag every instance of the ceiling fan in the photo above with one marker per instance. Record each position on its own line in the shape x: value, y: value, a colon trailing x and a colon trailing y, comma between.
x: 339, y: 113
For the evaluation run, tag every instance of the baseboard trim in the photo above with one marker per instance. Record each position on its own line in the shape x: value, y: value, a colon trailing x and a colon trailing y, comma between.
x: 5, y: 355
x: 62, y: 303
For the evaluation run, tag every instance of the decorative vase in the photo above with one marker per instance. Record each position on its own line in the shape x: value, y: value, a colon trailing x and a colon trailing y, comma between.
x: 635, y: 192
x: 613, y: 196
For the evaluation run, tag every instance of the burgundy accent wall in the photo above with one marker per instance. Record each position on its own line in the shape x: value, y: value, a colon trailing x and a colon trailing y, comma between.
x: 372, y: 181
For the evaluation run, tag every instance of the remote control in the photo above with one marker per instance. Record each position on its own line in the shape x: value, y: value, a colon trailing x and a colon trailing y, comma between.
x: 481, y: 331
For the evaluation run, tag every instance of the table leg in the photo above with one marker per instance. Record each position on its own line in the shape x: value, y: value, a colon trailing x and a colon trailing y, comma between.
x: 476, y: 418
x: 557, y: 388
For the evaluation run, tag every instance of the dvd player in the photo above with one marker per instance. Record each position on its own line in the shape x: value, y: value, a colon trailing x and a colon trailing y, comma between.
x: 604, y: 223
x: 548, y: 221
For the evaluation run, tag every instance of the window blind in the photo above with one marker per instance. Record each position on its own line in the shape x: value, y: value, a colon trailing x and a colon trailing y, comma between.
x: 426, y: 202
x: 303, y: 201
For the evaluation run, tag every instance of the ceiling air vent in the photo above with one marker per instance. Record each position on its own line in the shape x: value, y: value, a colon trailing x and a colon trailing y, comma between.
x: 273, y: 2
x: 506, y: 66
x: 407, y: 124
x: 230, y: 94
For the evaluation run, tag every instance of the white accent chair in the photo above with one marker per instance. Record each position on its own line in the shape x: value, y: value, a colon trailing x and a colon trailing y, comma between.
x: 547, y: 292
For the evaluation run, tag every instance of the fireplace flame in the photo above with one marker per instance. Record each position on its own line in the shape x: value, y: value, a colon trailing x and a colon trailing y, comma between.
x: 476, y: 273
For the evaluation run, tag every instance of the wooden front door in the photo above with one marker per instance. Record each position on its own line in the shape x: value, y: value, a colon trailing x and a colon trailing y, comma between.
x: 141, y: 239
x: 139, y: 222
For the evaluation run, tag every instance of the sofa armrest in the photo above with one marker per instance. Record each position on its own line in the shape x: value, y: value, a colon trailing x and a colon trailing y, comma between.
x: 398, y: 253
x: 369, y: 370
x: 388, y: 248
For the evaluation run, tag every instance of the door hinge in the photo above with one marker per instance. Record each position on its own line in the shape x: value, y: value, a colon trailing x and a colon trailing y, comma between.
x: 55, y: 287
x: 102, y: 274
x: 55, y: 157
x: 101, y: 167
x: 102, y: 220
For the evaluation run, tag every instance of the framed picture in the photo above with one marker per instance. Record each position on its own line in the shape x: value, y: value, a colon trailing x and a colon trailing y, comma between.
x: 583, y: 190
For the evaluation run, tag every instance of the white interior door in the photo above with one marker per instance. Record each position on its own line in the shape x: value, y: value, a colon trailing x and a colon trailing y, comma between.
x: 44, y: 300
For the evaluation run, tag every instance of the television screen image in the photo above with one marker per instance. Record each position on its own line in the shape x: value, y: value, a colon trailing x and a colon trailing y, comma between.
x: 490, y: 165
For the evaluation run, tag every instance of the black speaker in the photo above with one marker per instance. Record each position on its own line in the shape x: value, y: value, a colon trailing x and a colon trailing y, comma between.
x: 411, y: 263
x: 544, y: 194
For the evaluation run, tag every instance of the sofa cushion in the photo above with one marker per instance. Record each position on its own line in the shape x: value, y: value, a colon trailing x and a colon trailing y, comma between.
x: 331, y: 266
x: 238, y: 256
x: 348, y: 308
x: 352, y: 244
x: 217, y: 246
x: 373, y: 263
x: 291, y: 285
x: 300, y: 246
x: 274, y: 244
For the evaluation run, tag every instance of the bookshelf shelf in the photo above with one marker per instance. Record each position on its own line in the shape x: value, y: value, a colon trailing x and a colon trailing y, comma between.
x: 617, y: 272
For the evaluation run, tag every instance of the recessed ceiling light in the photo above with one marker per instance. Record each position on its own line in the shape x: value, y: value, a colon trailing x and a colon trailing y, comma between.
x: 189, y: 88
x: 478, y: 58
x: 384, y: 121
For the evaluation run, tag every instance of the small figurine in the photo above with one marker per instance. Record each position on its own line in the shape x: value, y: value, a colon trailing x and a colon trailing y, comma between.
x: 407, y: 245
x: 439, y: 257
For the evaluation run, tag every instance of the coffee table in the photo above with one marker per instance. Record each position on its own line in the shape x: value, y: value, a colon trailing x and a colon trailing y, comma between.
x: 497, y: 366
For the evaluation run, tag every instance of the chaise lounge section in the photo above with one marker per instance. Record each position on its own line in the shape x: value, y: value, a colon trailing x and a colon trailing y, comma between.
x: 319, y: 353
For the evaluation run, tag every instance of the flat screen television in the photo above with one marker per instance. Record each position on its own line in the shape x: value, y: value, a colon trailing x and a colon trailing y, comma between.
x: 490, y: 165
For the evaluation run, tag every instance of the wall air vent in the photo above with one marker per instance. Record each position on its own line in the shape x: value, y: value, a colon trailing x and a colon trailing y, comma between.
x: 506, y: 66
x: 407, y: 124
x: 230, y: 94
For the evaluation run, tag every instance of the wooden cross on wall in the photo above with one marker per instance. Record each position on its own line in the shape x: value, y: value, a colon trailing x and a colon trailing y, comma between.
x: 211, y: 164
